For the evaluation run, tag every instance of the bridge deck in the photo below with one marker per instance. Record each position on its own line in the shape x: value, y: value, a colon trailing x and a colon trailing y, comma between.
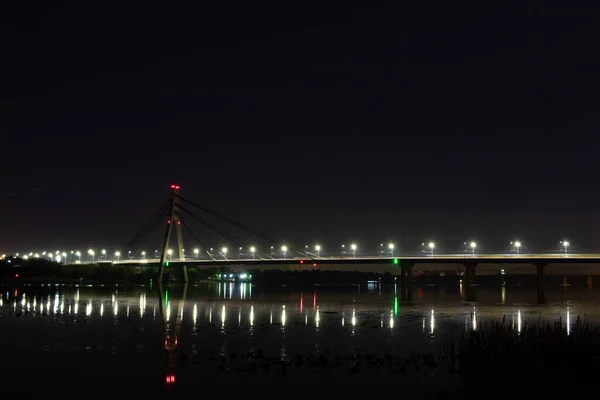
x: 438, y: 259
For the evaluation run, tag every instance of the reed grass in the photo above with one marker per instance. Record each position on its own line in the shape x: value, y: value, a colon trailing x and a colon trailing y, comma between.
x: 541, y: 353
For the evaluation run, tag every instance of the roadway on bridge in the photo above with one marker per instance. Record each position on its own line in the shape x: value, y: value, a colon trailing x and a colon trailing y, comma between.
x: 442, y: 258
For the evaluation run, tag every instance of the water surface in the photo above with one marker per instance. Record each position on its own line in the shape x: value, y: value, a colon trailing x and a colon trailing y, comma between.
x: 237, y: 337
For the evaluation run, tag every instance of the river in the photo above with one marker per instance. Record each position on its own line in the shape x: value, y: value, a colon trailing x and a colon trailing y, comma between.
x: 233, y: 337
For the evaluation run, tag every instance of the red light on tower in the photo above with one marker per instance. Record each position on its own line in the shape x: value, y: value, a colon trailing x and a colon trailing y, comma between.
x: 301, y: 261
x: 170, y: 379
x: 172, y: 186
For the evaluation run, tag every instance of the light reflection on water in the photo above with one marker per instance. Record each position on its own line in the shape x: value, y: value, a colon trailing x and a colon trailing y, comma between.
x: 349, y: 323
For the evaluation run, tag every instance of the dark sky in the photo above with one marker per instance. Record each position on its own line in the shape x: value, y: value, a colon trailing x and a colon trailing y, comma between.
x: 429, y: 120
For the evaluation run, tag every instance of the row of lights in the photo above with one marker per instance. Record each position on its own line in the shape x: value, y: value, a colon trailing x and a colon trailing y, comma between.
x: 62, y: 256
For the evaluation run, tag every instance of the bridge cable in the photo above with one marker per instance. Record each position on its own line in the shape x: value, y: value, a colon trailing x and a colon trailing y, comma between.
x: 227, y: 236
x: 159, y: 221
x: 238, y: 224
x: 186, y: 226
x: 244, y: 227
x: 152, y: 224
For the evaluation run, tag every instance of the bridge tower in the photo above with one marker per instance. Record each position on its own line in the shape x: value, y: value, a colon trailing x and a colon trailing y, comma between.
x: 173, y: 220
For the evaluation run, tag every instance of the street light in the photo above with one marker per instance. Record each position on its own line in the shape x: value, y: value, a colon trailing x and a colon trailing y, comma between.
x: 169, y: 253
x: 343, y: 250
x: 565, y: 245
x: 391, y: 247
x: 197, y: 253
x: 224, y: 251
x: 284, y: 249
x: 64, y: 254
x: 517, y: 245
x: 252, y: 250
x: 143, y: 255
x: 104, y: 254
x: 91, y: 253
x: 353, y: 247
x: 431, y: 246
x: 473, y: 245
x: 78, y: 254
x: 117, y: 255
x: 318, y: 249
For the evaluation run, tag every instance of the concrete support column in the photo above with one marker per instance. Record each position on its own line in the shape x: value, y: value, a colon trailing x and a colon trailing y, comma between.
x: 470, y: 273
x: 406, y: 283
x: 541, y: 283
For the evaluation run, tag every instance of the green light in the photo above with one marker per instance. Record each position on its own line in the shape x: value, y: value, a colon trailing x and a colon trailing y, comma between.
x: 166, y: 297
x: 166, y: 263
x: 396, y: 306
x: 395, y: 261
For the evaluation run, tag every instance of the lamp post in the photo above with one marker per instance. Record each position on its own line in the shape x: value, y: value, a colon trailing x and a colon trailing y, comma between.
x: 566, y: 244
x: 318, y: 249
x: 517, y: 245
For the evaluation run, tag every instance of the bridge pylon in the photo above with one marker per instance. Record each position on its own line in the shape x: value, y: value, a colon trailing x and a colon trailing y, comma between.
x: 173, y: 220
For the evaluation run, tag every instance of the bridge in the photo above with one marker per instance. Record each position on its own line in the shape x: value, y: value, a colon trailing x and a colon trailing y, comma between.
x: 175, y: 213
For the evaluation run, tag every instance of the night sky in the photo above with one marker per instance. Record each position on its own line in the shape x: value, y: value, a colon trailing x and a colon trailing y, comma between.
x: 424, y: 121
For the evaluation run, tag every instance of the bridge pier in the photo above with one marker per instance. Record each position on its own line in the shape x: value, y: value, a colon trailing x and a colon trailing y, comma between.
x: 470, y: 274
x: 541, y: 282
x: 406, y: 281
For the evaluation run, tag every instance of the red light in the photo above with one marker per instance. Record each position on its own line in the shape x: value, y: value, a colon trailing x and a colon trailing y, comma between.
x: 301, y: 261
x: 169, y: 221
x: 177, y: 187
x: 314, y: 264
x: 172, y: 186
x: 16, y: 275
x: 170, y: 379
x: 178, y: 222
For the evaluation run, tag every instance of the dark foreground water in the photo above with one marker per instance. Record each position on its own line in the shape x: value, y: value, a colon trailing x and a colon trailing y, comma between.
x: 234, y: 338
